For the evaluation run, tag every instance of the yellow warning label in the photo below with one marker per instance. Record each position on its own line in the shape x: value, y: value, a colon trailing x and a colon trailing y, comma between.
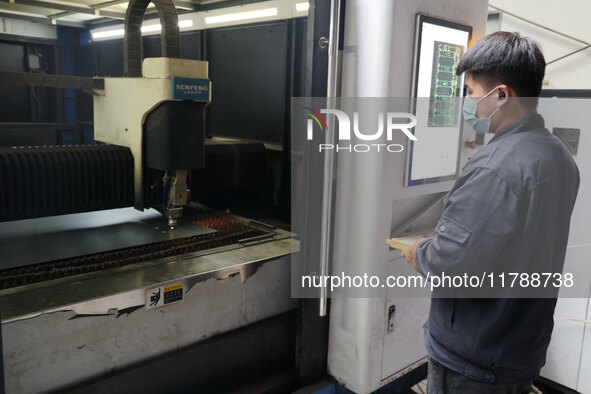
x: 176, y: 286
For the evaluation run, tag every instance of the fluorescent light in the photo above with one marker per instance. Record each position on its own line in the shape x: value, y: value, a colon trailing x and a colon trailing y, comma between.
x: 303, y: 6
x: 186, y: 23
x: 108, y: 33
x: 145, y: 29
x: 239, y: 16
x: 150, y: 28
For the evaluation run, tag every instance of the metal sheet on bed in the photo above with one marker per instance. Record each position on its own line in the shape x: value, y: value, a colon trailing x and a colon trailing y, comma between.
x: 32, y: 241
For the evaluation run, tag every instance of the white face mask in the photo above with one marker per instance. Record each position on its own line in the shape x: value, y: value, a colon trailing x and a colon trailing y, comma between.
x: 469, y: 111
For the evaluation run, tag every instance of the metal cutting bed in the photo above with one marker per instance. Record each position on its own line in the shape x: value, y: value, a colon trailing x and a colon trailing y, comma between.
x: 89, y: 311
x: 43, y: 249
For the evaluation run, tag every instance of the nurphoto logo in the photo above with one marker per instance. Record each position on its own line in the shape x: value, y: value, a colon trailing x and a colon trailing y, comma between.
x: 386, y: 122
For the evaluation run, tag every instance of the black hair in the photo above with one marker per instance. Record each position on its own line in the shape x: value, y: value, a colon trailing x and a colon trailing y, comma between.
x: 507, y: 58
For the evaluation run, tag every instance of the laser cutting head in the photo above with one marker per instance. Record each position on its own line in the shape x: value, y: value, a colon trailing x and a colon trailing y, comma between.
x: 161, y: 118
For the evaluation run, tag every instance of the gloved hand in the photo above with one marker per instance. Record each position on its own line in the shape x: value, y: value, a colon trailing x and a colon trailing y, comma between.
x: 410, y: 252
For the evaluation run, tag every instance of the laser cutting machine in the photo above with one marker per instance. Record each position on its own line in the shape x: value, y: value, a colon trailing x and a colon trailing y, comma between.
x: 90, y: 286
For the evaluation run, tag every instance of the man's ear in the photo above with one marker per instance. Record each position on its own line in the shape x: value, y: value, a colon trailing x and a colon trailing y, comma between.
x: 504, y: 92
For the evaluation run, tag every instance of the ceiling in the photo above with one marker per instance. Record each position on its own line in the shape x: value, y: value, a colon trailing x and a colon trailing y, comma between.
x: 89, y: 13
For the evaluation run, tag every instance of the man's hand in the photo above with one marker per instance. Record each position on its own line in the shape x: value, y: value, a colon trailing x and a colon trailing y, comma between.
x: 410, y: 252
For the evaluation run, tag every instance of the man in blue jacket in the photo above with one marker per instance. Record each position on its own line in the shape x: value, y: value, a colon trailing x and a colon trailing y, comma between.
x: 510, y: 207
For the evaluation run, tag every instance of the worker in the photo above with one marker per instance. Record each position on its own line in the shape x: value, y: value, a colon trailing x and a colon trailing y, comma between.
x: 510, y: 207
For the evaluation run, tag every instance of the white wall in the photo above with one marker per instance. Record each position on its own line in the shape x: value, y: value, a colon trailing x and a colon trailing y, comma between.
x: 566, y: 16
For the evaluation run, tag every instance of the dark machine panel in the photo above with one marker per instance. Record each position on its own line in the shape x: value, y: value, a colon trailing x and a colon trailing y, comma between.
x: 249, y: 81
x: 190, y: 46
x: 151, y: 46
x: 301, y: 30
x: 109, y: 54
x: 47, y: 181
x: 109, y: 58
x: 14, y: 100
x: 174, y: 136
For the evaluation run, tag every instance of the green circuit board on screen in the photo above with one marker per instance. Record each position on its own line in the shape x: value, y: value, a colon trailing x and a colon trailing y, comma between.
x: 443, y: 104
